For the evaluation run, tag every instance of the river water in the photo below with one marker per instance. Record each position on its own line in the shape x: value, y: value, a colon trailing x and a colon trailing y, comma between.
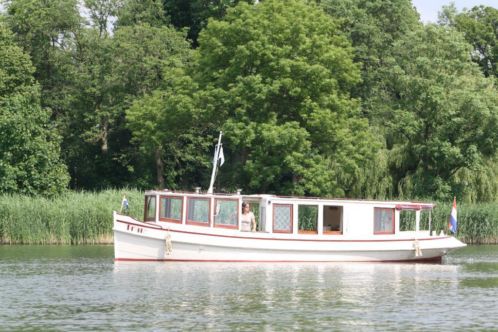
x: 82, y: 288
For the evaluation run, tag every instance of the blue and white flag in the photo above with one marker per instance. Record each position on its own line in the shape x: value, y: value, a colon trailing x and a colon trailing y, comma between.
x: 221, y: 156
x: 452, y: 224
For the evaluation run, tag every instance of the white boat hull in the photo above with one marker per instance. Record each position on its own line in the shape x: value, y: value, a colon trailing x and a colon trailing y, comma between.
x: 137, y: 241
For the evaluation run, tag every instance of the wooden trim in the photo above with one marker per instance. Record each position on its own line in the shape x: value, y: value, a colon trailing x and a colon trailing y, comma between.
x: 177, y: 221
x: 332, y: 232
x: 291, y: 218
x: 392, y: 218
x: 199, y: 223
x: 302, y: 231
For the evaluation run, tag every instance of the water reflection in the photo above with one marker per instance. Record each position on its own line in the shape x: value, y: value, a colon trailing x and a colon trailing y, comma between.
x: 296, y: 295
x: 81, y: 288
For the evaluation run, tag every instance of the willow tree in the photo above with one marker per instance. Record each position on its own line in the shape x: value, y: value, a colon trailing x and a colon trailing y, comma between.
x: 279, y: 75
x: 444, y: 118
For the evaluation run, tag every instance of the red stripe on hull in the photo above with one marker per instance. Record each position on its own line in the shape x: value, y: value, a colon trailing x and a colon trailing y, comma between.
x: 418, y: 260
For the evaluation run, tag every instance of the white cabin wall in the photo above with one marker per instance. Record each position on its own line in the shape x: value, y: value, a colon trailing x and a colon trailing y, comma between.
x: 358, y: 219
x: 268, y: 214
x: 396, y: 221
x: 320, y: 219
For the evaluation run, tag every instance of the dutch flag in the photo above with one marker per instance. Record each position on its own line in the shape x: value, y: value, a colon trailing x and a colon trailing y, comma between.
x: 452, y: 224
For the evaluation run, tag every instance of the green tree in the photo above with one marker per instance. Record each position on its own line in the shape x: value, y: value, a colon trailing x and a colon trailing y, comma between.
x: 115, y: 70
x: 86, y: 143
x: 168, y: 125
x: 444, y: 113
x: 479, y: 25
x: 279, y: 76
x: 140, y: 12
x: 143, y: 57
x: 29, y: 147
x: 194, y: 15
x: 102, y: 13
x: 372, y: 26
x: 46, y: 31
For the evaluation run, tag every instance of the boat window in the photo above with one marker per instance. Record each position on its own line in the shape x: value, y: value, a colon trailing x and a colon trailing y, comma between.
x: 198, y: 210
x: 171, y: 209
x: 425, y: 220
x: 150, y: 208
x: 407, y: 220
x: 226, y: 213
x: 332, y: 220
x: 383, y: 221
x: 282, y: 218
x: 307, y: 219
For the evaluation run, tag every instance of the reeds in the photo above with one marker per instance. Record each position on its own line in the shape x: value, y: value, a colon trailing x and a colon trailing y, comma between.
x: 73, y: 218
x: 477, y: 223
x: 86, y: 217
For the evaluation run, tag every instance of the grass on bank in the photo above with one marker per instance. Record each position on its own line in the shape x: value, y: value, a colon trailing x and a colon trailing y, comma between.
x: 73, y: 218
x: 86, y: 218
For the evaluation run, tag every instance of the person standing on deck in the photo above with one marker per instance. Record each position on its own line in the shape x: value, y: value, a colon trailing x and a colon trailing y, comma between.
x: 125, y: 207
x: 247, y: 219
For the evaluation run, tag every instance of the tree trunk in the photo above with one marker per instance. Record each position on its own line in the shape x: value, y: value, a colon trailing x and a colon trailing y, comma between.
x: 159, y: 168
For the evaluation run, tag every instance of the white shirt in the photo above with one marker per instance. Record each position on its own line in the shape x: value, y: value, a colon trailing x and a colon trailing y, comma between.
x: 246, y: 221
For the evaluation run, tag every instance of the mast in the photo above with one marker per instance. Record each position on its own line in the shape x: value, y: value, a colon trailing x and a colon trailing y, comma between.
x: 215, y: 163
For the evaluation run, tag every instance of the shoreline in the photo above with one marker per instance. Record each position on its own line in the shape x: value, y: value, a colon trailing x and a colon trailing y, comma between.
x: 86, y: 218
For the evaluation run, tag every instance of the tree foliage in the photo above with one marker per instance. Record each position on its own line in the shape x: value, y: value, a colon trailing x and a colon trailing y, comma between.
x: 194, y: 14
x: 169, y: 126
x: 479, y: 26
x: 29, y: 150
x: 46, y: 31
x: 372, y: 26
x: 140, y: 12
x: 444, y: 113
x: 116, y: 70
x: 281, y: 74
x: 349, y: 98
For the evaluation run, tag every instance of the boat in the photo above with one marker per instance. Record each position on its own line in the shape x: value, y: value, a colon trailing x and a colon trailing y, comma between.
x: 206, y: 226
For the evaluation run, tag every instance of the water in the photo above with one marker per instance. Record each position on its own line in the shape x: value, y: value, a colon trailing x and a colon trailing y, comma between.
x: 81, y: 288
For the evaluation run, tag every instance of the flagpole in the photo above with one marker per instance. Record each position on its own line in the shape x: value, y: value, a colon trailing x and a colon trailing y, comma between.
x: 215, y: 163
